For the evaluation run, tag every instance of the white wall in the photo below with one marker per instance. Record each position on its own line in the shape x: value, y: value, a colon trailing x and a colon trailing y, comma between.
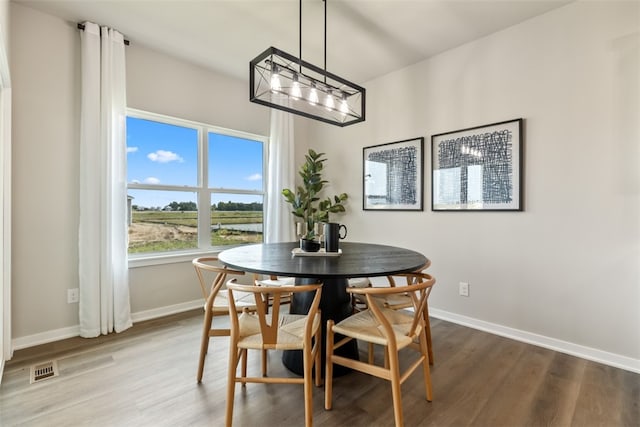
x: 45, y: 62
x: 46, y: 82
x: 568, y: 267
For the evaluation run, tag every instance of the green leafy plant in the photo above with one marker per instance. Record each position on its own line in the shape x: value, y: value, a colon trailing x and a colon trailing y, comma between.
x: 306, y: 202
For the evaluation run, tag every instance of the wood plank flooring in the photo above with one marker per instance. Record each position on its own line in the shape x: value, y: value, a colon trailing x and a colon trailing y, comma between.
x: 146, y: 377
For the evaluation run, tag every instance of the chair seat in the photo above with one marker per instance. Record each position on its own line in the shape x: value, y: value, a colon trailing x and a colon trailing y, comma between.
x: 290, y: 331
x: 395, y: 301
x: 364, y: 326
x: 280, y: 281
x: 359, y: 282
x: 221, y: 302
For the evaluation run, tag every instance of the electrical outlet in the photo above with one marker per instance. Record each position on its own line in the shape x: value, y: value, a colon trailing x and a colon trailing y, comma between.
x: 73, y: 295
x: 463, y: 289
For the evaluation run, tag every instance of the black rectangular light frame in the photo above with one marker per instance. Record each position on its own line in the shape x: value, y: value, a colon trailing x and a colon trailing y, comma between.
x: 261, y: 93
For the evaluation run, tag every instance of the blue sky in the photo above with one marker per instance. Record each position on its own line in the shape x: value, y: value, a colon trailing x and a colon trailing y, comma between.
x: 164, y: 154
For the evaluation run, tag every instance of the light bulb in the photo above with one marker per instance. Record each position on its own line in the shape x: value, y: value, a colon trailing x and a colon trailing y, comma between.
x: 329, y: 104
x: 313, y: 95
x: 344, y: 107
x: 296, y: 93
x: 275, y: 80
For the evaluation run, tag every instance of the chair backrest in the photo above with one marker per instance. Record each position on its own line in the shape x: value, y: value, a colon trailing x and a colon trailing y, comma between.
x: 211, y: 277
x: 267, y: 295
x: 409, y: 276
x: 418, y: 289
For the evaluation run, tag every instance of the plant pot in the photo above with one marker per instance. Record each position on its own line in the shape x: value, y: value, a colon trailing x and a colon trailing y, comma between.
x: 309, y: 245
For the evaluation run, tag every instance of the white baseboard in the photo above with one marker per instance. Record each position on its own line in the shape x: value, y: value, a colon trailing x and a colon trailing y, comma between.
x: 74, y: 331
x: 46, y: 337
x: 612, y: 359
x: 166, y: 311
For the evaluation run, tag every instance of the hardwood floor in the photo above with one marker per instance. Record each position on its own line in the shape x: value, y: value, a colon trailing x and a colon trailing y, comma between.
x: 147, y: 377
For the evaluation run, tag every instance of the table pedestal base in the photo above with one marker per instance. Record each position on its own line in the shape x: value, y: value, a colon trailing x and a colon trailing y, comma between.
x: 335, y: 304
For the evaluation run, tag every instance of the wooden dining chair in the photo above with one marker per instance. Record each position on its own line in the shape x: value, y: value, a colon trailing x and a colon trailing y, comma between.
x: 274, y: 331
x: 399, y: 301
x: 212, y: 279
x: 395, y: 330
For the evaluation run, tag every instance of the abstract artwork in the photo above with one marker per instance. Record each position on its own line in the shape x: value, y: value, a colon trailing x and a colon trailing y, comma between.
x: 393, y: 176
x: 478, y: 169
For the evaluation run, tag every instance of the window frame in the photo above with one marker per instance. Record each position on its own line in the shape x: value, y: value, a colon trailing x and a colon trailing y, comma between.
x: 201, y: 189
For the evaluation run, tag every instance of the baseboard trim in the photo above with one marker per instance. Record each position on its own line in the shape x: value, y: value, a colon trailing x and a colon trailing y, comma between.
x: 45, y: 337
x: 74, y: 331
x: 166, y: 311
x: 588, y: 353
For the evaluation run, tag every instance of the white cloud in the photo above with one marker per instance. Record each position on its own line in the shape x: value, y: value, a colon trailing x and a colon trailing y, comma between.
x: 151, y: 180
x: 163, y: 156
x: 254, y: 177
x: 132, y: 149
x: 135, y: 181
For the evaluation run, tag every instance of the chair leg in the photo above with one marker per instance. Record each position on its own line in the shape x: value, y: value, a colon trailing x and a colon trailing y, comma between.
x: 231, y: 382
x: 243, y: 356
x: 425, y: 365
x: 396, y: 392
x: 204, y: 343
x: 370, y: 355
x: 427, y: 326
x: 317, y: 348
x: 328, y: 371
x: 264, y: 363
x: 386, y: 357
x: 307, y: 361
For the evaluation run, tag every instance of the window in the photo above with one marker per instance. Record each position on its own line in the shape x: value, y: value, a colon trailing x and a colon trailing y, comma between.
x: 191, y: 186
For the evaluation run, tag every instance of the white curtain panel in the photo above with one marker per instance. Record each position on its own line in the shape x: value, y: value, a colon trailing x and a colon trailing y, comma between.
x: 278, y: 221
x: 103, y: 272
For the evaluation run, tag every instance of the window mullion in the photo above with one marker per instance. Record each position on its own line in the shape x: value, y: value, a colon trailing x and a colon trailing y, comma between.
x: 204, y: 199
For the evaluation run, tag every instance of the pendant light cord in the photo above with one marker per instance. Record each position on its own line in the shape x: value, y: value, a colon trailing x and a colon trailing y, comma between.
x: 300, y: 37
x: 325, y: 40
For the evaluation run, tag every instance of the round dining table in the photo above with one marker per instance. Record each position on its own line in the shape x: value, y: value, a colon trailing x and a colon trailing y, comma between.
x: 332, y: 269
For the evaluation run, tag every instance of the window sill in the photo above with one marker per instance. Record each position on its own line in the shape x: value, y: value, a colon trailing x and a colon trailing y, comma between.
x: 162, y: 259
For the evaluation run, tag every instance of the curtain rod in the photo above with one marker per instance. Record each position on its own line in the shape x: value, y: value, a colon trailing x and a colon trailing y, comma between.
x: 81, y: 27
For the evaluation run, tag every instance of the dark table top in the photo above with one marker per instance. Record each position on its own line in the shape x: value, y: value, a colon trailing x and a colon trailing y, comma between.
x: 356, y: 260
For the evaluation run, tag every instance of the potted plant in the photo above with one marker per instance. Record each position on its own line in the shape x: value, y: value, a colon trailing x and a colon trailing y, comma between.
x: 307, y: 204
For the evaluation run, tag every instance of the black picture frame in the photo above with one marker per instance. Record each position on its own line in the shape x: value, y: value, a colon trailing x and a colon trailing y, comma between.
x: 478, y: 168
x: 393, y: 176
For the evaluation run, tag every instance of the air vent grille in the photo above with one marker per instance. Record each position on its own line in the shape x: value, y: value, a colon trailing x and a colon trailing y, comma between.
x: 43, y: 371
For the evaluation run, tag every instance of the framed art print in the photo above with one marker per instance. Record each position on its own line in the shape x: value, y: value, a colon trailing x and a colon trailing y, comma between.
x: 393, y: 176
x: 478, y: 169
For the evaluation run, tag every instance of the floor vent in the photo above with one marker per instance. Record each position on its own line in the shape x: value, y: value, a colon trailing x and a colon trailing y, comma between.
x: 44, y: 371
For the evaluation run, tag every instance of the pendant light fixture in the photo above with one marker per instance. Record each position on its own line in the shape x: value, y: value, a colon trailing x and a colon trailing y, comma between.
x: 280, y: 80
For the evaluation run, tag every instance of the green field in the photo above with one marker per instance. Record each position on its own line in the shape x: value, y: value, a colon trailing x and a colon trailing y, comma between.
x: 162, y: 231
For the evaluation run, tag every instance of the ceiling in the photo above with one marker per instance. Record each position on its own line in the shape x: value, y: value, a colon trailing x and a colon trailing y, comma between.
x: 365, y: 38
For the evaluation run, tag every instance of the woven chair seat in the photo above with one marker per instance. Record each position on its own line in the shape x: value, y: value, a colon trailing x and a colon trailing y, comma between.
x: 280, y: 281
x: 290, y: 331
x: 395, y: 301
x: 221, y: 302
x: 364, y: 326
